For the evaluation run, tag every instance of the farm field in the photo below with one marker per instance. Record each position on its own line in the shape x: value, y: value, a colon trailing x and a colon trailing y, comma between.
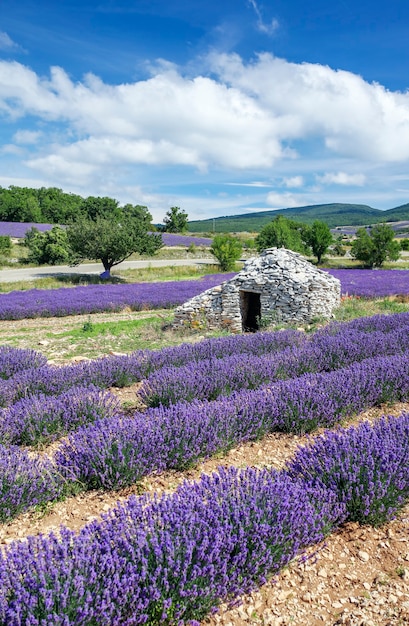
x: 356, y: 372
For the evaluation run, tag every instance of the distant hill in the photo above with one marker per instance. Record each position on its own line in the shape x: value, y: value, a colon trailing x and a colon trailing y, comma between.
x: 336, y: 214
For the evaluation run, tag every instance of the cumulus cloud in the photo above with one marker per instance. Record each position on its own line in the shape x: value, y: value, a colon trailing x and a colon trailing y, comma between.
x: 238, y: 117
x: 342, y: 178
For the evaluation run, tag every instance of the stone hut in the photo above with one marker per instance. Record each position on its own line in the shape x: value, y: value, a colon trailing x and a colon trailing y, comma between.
x: 278, y: 286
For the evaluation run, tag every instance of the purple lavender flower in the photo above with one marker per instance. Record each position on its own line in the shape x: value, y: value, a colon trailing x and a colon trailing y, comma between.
x: 365, y: 466
x: 25, y: 482
x: 170, y: 560
x: 41, y: 419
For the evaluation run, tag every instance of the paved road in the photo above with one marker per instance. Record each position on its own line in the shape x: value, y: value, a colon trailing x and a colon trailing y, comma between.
x: 11, y: 275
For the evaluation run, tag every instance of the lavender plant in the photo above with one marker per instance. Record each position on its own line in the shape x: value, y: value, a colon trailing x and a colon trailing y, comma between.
x: 167, y: 561
x: 96, y: 298
x: 365, y: 466
x: 13, y: 360
x: 208, y: 379
x: 39, y: 420
x: 25, y: 482
x: 117, y: 452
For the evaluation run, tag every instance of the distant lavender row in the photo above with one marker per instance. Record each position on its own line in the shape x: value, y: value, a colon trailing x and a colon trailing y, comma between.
x: 97, y: 298
x: 113, y: 453
x: 373, y: 283
x: 174, y: 559
x: 138, y: 296
x: 170, y: 239
x: 208, y: 379
x: 19, y: 229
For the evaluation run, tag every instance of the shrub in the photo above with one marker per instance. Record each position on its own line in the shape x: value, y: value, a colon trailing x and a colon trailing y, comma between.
x: 25, y: 482
x: 227, y: 251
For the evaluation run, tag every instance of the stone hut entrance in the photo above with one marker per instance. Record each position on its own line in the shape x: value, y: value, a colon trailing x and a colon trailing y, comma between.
x: 250, y: 309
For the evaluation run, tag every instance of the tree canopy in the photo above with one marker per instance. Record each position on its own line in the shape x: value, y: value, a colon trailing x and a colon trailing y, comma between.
x: 110, y: 239
x: 281, y: 233
x: 175, y: 220
x: 318, y: 237
x: 373, y: 248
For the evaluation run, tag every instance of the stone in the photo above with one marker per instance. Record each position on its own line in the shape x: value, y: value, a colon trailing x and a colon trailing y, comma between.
x: 278, y: 286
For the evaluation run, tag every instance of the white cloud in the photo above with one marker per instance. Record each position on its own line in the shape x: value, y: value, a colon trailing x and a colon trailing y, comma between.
x: 257, y: 118
x: 27, y: 136
x: 342, y: 178
x: 293, y: 181
x: 284, y: 200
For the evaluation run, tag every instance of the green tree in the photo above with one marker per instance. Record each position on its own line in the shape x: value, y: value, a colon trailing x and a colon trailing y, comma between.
x: 95, y: 207
x: 404, y: 244
x: 110, y: 240
x: 5, y: 245
x: 375, y: 247
x: 318, y: 236
x: 175, y: 220
x: 50, y: 247
x: 281, y: 233
x: 19, y: 204
x: 58, y: 207
x: 227, y: 251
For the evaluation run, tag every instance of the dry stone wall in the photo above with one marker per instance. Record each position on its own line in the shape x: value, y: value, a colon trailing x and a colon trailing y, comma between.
x: 278, y: 286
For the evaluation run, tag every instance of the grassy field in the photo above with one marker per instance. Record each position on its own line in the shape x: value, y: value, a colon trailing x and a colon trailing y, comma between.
x: 91, y: 336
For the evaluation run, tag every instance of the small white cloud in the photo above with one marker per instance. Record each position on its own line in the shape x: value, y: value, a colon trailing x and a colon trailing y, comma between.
x: 342, y: 178
x: 293, y: 182
x: 27, y: 136
x: 6, y: 42
x: 283, y: 200
x: 256, y: 183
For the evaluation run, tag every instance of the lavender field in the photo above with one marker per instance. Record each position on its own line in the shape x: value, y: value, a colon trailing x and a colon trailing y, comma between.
x: 19, y: 229
x: 142, y: 296
x: 173, y: 558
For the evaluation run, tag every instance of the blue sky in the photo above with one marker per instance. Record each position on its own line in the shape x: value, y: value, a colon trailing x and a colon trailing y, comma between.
x: 217, y: 107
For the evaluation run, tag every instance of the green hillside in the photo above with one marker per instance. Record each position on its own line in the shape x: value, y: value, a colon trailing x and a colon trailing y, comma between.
x: 336, y: 214
x: 397, y: 214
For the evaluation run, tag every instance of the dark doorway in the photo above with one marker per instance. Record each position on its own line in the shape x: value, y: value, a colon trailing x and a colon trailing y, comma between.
x: 250, y: 310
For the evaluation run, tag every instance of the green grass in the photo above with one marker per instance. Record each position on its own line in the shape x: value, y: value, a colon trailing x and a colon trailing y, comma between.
x: 148, y: 274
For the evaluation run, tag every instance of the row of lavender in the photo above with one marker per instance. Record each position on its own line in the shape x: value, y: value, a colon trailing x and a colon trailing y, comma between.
x: 174, y: 559
x: 98, y: 298
x: 139, y: 296
x: 116, y: 451
x: 167, y: 374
